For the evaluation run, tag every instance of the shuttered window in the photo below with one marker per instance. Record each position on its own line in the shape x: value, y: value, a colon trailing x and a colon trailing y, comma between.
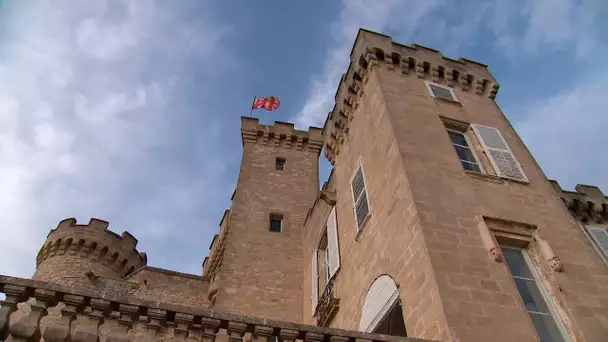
x: 599, y: 237
x: 360, y: 197
x: 500, y: 155
x: 333, y: 249
x: 315, y: 282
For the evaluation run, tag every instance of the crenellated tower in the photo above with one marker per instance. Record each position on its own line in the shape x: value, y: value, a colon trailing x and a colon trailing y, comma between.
x: 255, y: 263
x: 72, y: 251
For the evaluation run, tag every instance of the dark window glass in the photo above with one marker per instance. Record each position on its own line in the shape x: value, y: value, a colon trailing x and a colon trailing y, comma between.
x: 466, y: 156
x: 280, y: 164
x: 516, y: 262
x: 546, y: 328
x: 441, y: 92
x: 276, y: 223
x: 536, y: 305
x: 393, y: 323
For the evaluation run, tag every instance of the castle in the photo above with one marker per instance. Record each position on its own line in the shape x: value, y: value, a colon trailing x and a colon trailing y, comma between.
x: 436, y: 223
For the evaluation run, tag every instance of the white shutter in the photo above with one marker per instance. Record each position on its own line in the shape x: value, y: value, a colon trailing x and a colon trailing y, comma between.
x: 315, y: 281
x: 333, y: 250
x: 360, y: 197
x: 502, y: 158
x: 380, y: 298
x: 600, y: 237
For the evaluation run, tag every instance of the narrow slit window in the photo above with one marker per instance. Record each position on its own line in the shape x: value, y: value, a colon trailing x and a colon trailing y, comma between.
x: 276, y: 223
x: 280, y: 164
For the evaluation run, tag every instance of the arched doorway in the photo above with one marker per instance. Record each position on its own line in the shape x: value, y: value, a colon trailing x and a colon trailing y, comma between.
x: 382, y: 312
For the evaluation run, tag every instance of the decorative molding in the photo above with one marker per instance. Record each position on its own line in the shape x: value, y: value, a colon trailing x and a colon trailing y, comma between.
x: 587, y: 204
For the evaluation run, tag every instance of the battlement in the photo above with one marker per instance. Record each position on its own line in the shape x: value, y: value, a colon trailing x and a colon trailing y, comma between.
x: 281, y: 135
x: 374, y: 50
x: 587, y: 203
x: 116, y: 254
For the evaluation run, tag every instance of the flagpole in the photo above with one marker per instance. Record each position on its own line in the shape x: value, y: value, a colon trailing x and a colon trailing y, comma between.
x: 252, y: 102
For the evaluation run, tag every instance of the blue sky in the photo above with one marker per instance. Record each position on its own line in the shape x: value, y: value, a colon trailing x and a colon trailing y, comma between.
x: 129, y: 111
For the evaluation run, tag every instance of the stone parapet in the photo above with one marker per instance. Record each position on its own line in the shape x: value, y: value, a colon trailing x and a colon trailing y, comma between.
x: 90, y: 315
x: 281, y: 135
x: 586, y: 204
x: 373, y: 50
x: 72, y: 250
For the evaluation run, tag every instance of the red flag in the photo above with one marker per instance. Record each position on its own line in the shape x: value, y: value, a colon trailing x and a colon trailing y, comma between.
x: 268, y: 103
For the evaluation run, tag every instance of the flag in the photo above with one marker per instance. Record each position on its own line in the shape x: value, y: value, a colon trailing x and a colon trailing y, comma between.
x: 268, y: 103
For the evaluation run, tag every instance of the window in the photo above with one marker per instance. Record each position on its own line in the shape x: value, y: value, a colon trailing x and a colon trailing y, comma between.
x: 280, y: 164
x: 393, y: 323
x: 276, y: 223
x: 598, y: 235
x: 360, y: 197
x: 441, y: 91
x: 465, y: 153
x: 325, y: 259
x: 545, y: 321
x: 500, y: 155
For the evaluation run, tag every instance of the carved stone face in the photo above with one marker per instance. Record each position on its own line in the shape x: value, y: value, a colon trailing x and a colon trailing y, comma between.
x: 495, y: 254
x: 555, y: 264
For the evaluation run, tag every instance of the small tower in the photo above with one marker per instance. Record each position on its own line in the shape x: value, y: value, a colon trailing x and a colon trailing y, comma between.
x: 255, y: 264
x: 72, y: 251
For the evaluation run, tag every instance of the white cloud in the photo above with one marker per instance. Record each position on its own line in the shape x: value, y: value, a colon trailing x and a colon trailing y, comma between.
x: 567, y: 133
x: 85, y: 107
x: 357, y: 14
x: 514, y: 28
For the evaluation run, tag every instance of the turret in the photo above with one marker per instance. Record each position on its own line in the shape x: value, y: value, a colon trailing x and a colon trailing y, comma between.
x: 74, y: 253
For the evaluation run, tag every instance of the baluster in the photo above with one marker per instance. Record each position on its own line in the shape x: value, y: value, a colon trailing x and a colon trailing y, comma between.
x: 61, y: 330
x: 88, y: 331
x: 236, y: 331
x: 210, y: 328
x: 313, y: 337
x: 14, y: 294
x: 262, y: 332
x: 338, y: 339
x: 157, y: 320
x: 288, y: 335
x: 28, y: 327
x: 182, y: 325
x: 125, y: 322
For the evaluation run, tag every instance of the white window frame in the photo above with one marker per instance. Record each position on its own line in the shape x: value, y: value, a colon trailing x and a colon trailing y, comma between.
x: 451, y: 90
x: 352, y: 194
x: 470, y: 147
x: 559, y: 321
x: 594, y: 244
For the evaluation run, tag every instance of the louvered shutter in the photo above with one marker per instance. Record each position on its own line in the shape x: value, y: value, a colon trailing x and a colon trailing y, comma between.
x: 315, y: 281
x: 600, y: 237
x: 502, y: 158
x: 360, y: 197
x: 333, y: 250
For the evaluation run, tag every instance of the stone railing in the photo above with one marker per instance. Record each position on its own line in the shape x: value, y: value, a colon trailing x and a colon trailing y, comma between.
x: 327, y: 307
x: 34, y: 309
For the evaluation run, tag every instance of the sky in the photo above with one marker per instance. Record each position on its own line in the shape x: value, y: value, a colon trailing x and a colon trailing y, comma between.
x: 129, y: 111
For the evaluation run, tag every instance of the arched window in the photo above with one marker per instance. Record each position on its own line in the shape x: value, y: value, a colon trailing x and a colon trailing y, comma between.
x: 382, y: 312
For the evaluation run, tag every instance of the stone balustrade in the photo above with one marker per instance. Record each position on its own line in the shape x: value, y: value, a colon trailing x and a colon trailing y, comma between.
x: 33, y: 310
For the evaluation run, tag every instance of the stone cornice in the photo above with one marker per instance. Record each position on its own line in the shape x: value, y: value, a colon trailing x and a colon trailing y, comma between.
x: 372, y: 50
x: 587, y: 204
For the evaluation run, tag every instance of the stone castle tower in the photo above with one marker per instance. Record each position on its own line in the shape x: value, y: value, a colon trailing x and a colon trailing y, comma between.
x: 435, y: 223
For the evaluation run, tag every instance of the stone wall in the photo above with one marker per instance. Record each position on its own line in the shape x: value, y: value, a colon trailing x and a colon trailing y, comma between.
x: 260, y: 274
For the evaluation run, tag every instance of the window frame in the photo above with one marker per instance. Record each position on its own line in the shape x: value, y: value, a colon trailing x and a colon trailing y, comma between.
x: 558, y: 319
x: 465, y: 134
x: 369, y: 206
x: 450, y: 89
x: 585, y: 227
x: 275, y: 216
